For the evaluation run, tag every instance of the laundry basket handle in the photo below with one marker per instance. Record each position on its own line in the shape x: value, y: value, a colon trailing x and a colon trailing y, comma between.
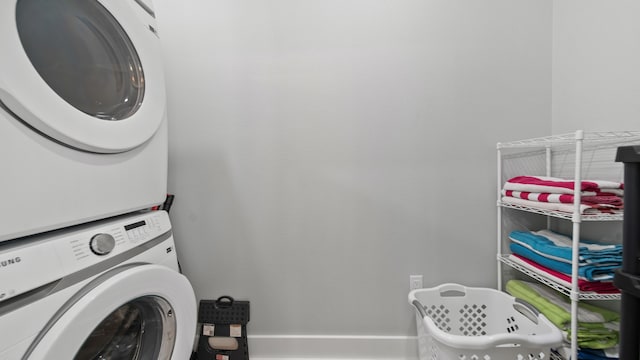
x: 420, y: 308
x: 526, y: 309
x: 444, y: 290
x: 451, y: 289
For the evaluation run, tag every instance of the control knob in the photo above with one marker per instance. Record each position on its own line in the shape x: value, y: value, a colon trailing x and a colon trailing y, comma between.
x: 102, y: 244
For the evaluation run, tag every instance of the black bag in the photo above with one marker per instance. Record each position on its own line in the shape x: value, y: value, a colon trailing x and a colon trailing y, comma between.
x: 223, y: 330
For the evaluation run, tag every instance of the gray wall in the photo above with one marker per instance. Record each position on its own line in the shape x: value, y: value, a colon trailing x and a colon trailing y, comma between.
x: 596, y: 57
x: 321, y: 151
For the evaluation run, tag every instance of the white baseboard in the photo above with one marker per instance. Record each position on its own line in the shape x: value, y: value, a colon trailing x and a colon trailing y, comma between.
x: 320, y: 347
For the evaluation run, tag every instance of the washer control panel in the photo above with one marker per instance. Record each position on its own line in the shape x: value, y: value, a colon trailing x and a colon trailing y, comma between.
x: 39, y: 260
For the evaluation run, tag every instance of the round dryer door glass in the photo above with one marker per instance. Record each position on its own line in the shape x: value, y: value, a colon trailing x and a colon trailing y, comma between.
x: 142, y: 329
x: 83, y: 54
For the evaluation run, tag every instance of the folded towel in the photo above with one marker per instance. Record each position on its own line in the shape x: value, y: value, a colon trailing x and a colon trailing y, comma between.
x: 591, y: 246
x: 597, y: 336
x: 613, y: 201
x: 597, y: 354
x: 587, y: 313
x: 559, y: 247
x: 600, y: 287
x: 545, y: 184
x: 588, y: 272
x: 585, y: 209
x: 596, y: 326
x: 564, y: 352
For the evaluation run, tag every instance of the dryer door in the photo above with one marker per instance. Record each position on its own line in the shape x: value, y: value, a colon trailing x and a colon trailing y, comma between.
x: 85, y: 73
x: 137, y: 311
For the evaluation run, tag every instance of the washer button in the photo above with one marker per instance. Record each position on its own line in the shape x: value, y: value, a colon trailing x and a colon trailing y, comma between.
x: 102, y: 244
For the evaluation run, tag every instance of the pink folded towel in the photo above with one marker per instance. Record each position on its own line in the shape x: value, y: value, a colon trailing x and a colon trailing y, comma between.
x: 568, y: 208
x: 602, y: 287
x: 544, y: 184
x: 605, y: 200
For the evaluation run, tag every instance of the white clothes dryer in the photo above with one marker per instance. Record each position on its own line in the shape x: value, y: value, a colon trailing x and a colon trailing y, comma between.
x: 109, y: 290
x: 83, y: 131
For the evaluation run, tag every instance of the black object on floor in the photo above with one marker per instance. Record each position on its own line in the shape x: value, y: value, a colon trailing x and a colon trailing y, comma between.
x: 223, y: 329
x: 627, y: 278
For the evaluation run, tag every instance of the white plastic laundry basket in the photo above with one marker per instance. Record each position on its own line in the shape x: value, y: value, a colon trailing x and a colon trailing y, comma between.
x: 465, y: 323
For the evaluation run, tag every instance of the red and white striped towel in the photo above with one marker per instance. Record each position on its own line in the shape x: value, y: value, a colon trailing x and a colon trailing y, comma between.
x: 605, y: 200
x: 544, y: 184
x: 568, y: 208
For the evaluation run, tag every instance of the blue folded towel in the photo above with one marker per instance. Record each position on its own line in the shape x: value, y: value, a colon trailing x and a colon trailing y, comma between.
x: 561, y: 250
x: 590, y: 272
x: 591, y: 354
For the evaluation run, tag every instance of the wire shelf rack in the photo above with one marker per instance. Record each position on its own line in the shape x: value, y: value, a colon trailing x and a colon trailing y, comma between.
x: 504, y: 258
x: 612, y: 138
x: 565, y: 215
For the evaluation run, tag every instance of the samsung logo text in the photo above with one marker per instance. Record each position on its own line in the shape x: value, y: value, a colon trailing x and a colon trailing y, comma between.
x: 11, y: 261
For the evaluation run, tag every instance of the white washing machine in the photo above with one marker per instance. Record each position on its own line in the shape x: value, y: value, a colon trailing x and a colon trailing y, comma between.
x: 109, y: 290
x: 83, y: 132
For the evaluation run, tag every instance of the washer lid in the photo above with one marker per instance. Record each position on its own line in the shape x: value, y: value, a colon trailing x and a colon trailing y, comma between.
x: 143, y: 309
x: 86, y: 73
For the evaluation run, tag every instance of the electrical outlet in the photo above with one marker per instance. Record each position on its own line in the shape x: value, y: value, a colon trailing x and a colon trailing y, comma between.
x: 415, y: 282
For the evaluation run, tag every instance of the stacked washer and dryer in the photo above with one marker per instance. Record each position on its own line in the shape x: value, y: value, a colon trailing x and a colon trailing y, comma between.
x: 86, y: 270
